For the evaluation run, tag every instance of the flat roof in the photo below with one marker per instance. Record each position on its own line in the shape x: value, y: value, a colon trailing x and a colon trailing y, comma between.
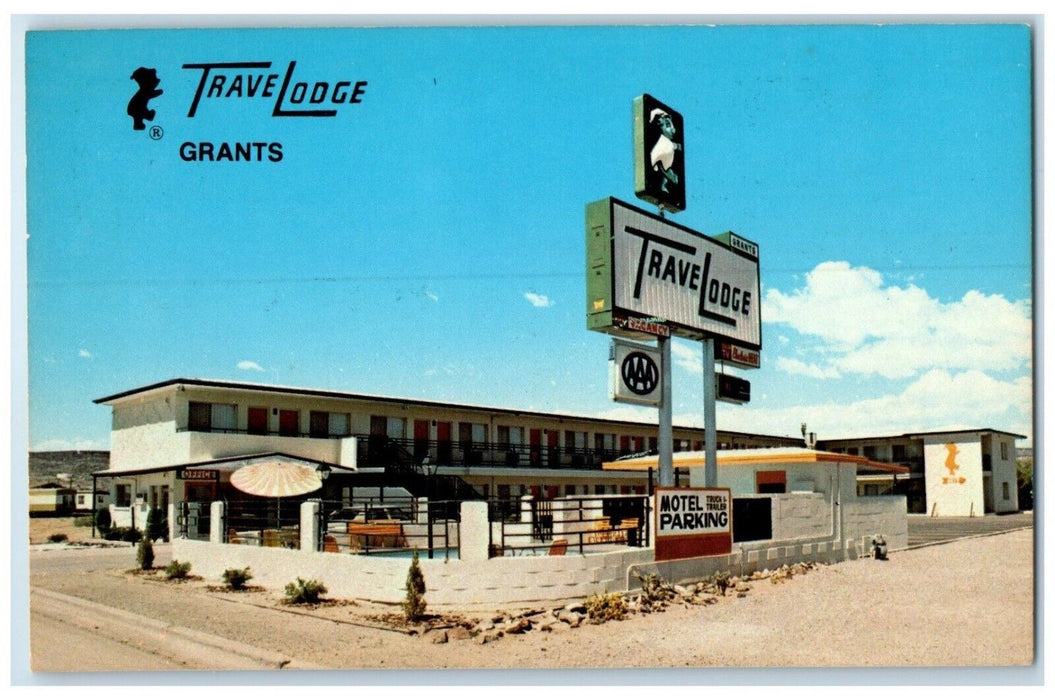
x: 909, y: 436
x: 328, y: 393
x: 755, y: 457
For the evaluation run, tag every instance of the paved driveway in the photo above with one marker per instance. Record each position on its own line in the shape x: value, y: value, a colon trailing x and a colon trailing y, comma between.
x: 924, y: 530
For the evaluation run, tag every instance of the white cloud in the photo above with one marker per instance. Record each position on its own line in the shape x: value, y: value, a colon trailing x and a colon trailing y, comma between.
x: 897, y: 332
x: 540, y: 301
x: 84, y: 353
x: 792, y: 366
x: 688, y: 356
x: 249, y: 365
x: 937, y: 400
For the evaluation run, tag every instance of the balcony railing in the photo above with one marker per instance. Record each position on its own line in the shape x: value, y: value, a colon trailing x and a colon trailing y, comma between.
x: 381, y: 450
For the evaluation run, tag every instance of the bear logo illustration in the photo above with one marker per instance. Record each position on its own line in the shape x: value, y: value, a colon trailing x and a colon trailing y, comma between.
x: 147, y: 79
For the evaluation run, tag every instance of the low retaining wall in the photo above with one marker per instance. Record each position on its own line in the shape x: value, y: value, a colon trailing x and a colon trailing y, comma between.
x: 455, y: 582
x: 834, y: 534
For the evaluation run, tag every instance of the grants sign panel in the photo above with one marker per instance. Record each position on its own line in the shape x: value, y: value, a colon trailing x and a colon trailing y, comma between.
x: 693, y: 523
x: 642, y: 266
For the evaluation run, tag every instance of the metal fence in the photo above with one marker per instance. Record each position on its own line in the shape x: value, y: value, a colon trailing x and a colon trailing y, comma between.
x: 557, y: 526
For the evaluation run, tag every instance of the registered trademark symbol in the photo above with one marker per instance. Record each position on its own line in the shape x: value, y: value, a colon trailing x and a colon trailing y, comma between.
x: 156, y: 132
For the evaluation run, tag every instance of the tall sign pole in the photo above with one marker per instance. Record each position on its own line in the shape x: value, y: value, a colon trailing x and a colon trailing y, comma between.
x: 710, y: 432
x: 648, y: 278
x: 666, y: 418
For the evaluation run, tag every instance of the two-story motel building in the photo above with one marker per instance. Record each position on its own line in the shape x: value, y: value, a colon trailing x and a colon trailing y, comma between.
x: 179, y: 440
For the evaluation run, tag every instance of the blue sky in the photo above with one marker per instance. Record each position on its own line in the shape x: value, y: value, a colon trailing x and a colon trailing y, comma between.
x: 429, y: 241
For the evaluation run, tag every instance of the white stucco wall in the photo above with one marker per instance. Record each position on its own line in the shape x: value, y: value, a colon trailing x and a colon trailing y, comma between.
x: 954, y: 475
x: 1004, y: 471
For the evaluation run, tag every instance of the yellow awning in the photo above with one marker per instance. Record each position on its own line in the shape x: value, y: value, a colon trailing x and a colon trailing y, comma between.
x: 757, y: 457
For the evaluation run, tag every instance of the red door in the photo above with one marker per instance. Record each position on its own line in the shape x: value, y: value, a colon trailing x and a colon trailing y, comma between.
x: 288, y: 423
x: 257, y: 420
x: 421, y: 440
x: 443, y: 443
x: 536, y: 447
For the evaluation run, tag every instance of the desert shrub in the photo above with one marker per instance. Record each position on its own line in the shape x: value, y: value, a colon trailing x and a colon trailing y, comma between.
x: 177, y: 569
x: 654, y: 589
x: 57, y: 537
x: 145, y: 554
x: 304, y: 592
x: 236, y: 578
x: 83, y: 521
x: 103, y: 521
x: 414, y: 603
x: 719, y: 580
x: 123, y: 534
x: 603, y: 607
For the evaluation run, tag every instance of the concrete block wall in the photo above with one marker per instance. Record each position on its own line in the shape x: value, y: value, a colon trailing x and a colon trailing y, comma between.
x: 454, y: 582
x: 868, y: 516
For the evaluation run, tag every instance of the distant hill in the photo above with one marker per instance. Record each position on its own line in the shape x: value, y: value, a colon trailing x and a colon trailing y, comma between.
x: 43, y: 466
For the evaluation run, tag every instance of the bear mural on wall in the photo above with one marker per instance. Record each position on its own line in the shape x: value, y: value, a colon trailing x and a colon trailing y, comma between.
x: 951, y: 465
x: 138, y: 109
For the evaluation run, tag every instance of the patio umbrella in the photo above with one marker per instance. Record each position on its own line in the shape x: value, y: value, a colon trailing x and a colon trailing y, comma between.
x: 276, y: 479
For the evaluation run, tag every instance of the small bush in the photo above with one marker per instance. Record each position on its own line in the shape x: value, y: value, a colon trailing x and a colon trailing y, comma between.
x: 720, y: 580
x: 177, y: 569
x: 157, y: 526
x: 57, y: 537
x: 123, y: 534
x: 237, y: 578
x: 605, y: 606
x: 83, y: 521
x: 103, y: 521
x: 654, y: 589
x: 414, y: 603
x: 145, y: 554
x: 304, y: 592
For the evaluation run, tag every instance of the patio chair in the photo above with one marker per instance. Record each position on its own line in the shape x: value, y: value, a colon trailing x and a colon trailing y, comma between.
x: 558, y: 548
x: 272, y: 538
x: 329, y: 544
x: 232, y: 536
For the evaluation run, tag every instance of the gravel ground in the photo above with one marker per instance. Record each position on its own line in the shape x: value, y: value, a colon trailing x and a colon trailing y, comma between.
x: 965, y: 603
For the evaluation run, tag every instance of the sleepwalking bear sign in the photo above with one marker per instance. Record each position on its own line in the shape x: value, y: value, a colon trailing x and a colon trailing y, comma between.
x: 693, y: 522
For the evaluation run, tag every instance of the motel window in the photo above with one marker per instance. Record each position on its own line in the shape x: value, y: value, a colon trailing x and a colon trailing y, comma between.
x: 851, y: 451
x: 123, y: 495
x: 205, y: 417
x: 899, y: 453
x: 324, y: 425
x: 508, y: 436
x: 1007, y: 491
x: 340, y: 424
x: 652, y: 444
x: 1003, y: 455
x: 870, y: 451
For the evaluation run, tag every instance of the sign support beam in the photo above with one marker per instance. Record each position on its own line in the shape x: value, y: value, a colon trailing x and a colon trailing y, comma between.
x: 666, y: 416
x: 710, y: 433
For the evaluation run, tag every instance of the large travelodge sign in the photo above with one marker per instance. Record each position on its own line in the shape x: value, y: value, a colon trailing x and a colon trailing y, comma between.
x: 641, y: 266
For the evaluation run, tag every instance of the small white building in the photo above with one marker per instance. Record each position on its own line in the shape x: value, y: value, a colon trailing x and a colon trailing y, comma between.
x: 791, y: 493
